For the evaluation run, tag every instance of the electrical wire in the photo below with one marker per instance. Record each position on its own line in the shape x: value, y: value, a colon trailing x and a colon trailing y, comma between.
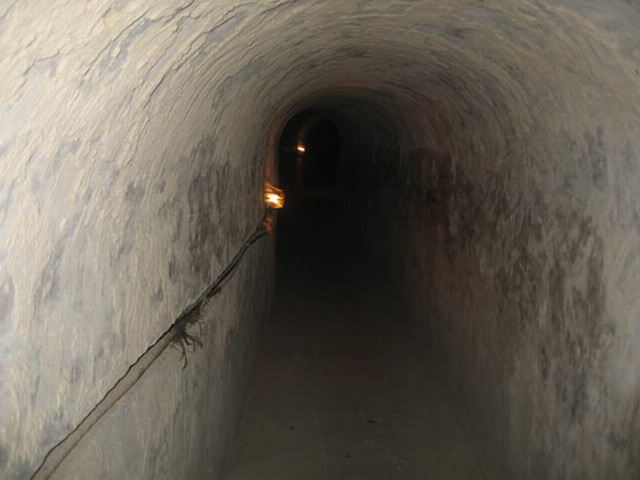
x: 176, y: 333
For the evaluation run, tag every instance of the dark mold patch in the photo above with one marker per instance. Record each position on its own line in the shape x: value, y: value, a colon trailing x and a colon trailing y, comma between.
x: 116, y: 56
x: 134, y: 193
x: 203, y: 227
x: 44, y: 67
x: 6, y: 194
x: 77, y: 371
x: 48, y: 284
x: 225, y: 29
x: 45, y: 179
x: 7, y: 293
x: 35, y: 391
x: 543, y: 363
x: 283, y: 8
x: 160, y: 186
x: 4, y: 146
x: 462, y: 33
x: 234, y: 82
x: 594, y: 302
x: 596, y: 158
x: 128, y: 239
x: 173, y: 267
x: 158, y: 296
x: 4, y: 457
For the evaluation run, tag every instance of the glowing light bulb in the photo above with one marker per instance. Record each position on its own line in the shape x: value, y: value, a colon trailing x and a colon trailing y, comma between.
x: 273, y: 197
x: 301, y: 148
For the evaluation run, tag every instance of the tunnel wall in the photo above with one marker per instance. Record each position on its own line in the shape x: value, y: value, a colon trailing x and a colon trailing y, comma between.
x: 493, y: 178
x: 508, y: 220
x: 128, y: 184
x: 493, y: 158
x: 515, y: 285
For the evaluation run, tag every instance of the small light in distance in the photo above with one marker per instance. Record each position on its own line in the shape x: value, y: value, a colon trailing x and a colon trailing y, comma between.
x: 301, y: 148
x: 273, y: 197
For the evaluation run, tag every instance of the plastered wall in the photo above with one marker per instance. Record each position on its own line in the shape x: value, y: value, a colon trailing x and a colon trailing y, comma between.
x: 128, y: 184
x: 507, y: 218
x: 492, y: 154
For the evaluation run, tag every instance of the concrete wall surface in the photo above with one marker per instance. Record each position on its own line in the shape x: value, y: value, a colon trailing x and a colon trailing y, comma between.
x: 128, y: 183
x: 492, y: 153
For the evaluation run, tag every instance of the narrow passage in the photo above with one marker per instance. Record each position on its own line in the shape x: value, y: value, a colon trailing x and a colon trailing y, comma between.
x: 340, y: 392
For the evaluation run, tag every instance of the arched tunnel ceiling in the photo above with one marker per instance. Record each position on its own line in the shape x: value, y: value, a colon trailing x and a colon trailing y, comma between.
x: 462, y: 57
x: 133, y: 144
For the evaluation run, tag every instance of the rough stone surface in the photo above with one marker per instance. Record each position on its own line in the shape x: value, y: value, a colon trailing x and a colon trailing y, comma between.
x: 495, y: 146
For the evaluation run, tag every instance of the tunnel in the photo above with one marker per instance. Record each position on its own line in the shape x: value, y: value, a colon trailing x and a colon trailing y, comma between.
x: 485, y: 169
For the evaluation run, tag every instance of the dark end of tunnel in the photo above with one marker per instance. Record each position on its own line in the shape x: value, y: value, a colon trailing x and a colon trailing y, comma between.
x: 318, y: 151
x: 316, y: 239
x: 309, y: 150
x: 308, y: 157
x: 321, y: 243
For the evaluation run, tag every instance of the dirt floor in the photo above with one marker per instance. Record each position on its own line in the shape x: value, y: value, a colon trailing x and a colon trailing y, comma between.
x: 340, y: 390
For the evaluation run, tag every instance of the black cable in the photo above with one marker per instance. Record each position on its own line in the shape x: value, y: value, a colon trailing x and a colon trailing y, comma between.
x: 175, y: 333
x: 214, y: 288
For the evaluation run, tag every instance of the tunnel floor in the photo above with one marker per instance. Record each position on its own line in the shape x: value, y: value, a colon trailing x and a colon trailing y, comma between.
x: 339, y: 391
